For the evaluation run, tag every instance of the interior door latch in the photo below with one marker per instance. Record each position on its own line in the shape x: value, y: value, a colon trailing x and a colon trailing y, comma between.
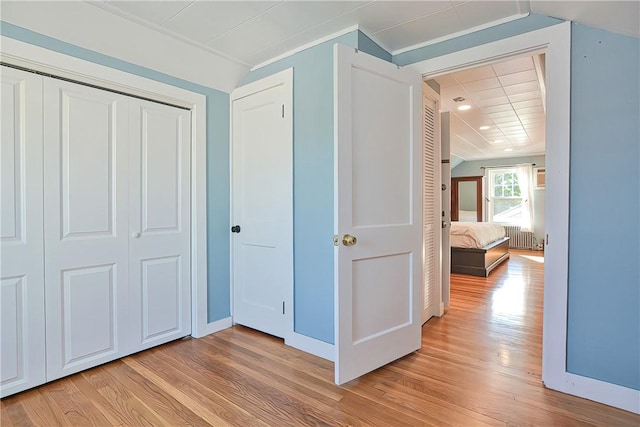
x: 235, y: 229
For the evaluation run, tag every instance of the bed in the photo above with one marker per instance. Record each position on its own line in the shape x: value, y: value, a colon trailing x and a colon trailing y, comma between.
x: 477, y: 248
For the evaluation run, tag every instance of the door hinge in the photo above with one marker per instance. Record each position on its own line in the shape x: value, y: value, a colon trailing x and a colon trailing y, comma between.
x: 546, y: 240
x: 283, y: 111
x: 282, y: 307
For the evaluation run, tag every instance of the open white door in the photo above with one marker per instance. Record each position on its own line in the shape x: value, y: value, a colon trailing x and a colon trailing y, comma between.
x: 378, y: 212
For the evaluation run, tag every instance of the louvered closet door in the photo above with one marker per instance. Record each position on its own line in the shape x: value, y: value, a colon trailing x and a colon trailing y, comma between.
x: 86, y: 226
x: 21, y: 253
x: 159, y: 223
x: 432, y: 205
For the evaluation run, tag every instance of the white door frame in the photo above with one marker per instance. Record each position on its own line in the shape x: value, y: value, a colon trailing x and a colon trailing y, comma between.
x: 555, y: 42
x: 37, y: 58
x: 283, y: 78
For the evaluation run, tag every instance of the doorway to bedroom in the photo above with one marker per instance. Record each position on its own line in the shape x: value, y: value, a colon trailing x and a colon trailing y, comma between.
x: 493, y: 120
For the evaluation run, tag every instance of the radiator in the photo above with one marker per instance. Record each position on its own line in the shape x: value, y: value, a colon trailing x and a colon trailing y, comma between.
x: 519, y: 239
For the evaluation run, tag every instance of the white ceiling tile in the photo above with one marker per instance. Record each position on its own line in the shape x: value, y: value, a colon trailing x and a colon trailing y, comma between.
x: 488, y: 94
x: 475, y: 13
x: 521, y: 88
x: 516, y: 78
x: 497, y: 108
x: 526, y: 96
x: 434, y: 26
x: 506, y: 122
x: 531, y: 110
x: 206, y: 20
x: 153, y: 11
x: 493, y: 101
x: 278, y: 24
x: 525, y: 118
x: 503, y: 114
x: 381, y: 15
x: 446, y: 81
x: 475, y: 74
x: 484, y: 84
x: 513, y: 66
x: 524, y: 104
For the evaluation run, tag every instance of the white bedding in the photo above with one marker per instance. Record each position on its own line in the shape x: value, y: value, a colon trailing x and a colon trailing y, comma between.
x: 475, y: 234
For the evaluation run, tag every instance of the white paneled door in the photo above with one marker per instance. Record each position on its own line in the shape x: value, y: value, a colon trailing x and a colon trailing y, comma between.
x: 262, y: 204
x: 116, y: 186
x: 21, y: 252
x: 378, y: 212
x: 159, y: 223
x: 86, y: 226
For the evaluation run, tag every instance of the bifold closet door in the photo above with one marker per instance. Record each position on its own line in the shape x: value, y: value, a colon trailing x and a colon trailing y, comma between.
x: 21, y: 250
x: 159, y: 223
x: 86, y: 220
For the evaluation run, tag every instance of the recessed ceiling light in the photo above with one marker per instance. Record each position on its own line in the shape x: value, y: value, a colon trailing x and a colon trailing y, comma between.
x: 484, y: 127
x: 498, y: 141
x: 464, y: 107
x: 508, y: 149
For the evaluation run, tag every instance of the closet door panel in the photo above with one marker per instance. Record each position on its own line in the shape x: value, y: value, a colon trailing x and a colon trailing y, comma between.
x: 86, y: 226
x: 21, y: 254
x: 159, y: 222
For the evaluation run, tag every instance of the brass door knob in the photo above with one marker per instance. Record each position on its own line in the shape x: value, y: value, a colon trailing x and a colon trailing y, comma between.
x: 349, y: 240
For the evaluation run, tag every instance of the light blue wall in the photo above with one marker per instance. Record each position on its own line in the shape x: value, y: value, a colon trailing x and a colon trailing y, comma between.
x: 604, y: 258
x: 217, y: 157
x: 367, y: 45
x: 312, y: 183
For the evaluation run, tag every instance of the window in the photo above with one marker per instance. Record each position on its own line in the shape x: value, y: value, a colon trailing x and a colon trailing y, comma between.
x: 508, y: 201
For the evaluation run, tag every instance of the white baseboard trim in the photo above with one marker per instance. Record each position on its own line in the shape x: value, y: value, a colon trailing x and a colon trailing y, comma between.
x: 311, y: 345
x: 599, y: 391
x: 216, y: 326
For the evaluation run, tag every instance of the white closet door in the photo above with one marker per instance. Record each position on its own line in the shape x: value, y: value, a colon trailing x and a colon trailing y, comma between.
x: 21, y: 268
x: 432, y: 206
x: 86, y: 226
x: 159, y: 223
x: 262, y: 204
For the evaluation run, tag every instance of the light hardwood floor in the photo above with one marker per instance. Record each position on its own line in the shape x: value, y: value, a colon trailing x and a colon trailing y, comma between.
x: 479, y: 365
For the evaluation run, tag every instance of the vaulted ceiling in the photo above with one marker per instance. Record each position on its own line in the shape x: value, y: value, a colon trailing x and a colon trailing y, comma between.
x: 496, y: 110
x: 507, y: 112
x: 252, y: 32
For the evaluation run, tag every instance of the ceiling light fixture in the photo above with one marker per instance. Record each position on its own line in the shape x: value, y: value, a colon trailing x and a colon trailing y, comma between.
x: 464, y: 107
x: 484, y: 127
x: 498, y: 141
x: 458, y: 99
x: 508, y: 149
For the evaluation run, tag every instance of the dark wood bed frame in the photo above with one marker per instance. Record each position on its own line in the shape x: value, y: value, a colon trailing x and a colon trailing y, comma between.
x: 479, y: 262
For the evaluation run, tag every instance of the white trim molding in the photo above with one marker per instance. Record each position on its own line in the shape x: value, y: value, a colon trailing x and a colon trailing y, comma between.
x: 36, y: 58
x: 555, y: 42
x: 215, y: 326
x: 311, y: 345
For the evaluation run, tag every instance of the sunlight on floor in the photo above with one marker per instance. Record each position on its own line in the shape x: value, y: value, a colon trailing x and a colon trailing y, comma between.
x: 539, y: 259
x: 508, y: 301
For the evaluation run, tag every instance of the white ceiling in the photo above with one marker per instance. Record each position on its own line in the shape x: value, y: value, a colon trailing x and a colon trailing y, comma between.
x: 252, y: 32
x: 508, y: 97
x: 507, y: 114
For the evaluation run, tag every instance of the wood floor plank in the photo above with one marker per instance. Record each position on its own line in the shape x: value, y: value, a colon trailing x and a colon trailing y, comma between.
x: 479, y: 365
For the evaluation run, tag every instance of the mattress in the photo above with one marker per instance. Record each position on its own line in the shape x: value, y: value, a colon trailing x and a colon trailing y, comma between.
x: 475, y: 235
